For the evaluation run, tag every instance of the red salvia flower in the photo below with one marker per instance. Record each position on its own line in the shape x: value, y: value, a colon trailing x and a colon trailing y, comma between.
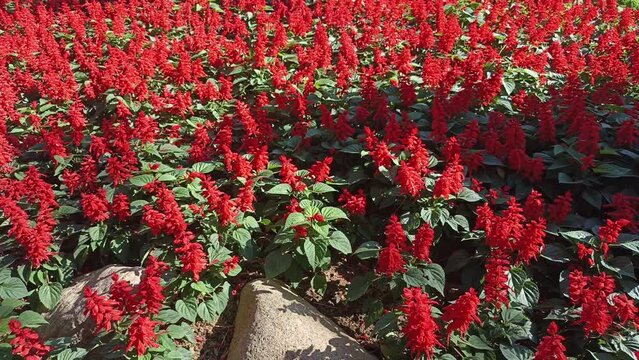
x: 551, y: 346
x: 395, y: 234
x: 121, y: 207
x: 101, y: 309
x: 27, y: 343
x: 390, y: 261
x: 354, y: 203
x: 122, y: 292
x: 420, y: 329
x: 150, y: 289
x: 409, y: 180
x: 609, y: 233
x: 246, y: 197
x: 496, y: 278
x: 585, y: 253
x: 287, y: 173
x: 230, y: 264
x: 559, y: 209
x: 423, y: 241
x: 534, y: 206
x: 451, y: 181
x: 531, y: 242
x: 321, y: 170
x: 462, y: 313
x: 142, y: 335
x: 625, y: 309
x: 95, y: 206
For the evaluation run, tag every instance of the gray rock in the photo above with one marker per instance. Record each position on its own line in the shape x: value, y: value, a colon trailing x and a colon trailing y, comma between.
x: 274, y: 323
x: 67, y: 319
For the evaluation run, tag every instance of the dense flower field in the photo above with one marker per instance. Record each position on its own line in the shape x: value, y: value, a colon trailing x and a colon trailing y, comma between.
x: 479, y: 159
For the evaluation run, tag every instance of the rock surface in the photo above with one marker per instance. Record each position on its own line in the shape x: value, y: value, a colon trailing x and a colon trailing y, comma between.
x: 68, y: 319
x: 274, y: 323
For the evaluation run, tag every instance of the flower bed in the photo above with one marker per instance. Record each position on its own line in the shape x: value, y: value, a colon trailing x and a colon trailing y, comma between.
x: 478, y: 159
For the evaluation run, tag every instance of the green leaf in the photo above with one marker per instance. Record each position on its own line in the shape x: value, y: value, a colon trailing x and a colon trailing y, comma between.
x: 340, y: 242
x: 280, y: 189
x: 179, y: 354
x: 13, y: 288
x: 276, y: 263
x: 294, y: 219
x: 621, y: 265
x: 97, y: 232
x: 368, y: 250
x: 435, y: 277
x: 187, y: 309
x: 478, y: 343
x: 203, y: 312
x: 242, y: 236
x: 582, y: 236
x: 176, y: 332
x: 611, y: 170
x: 315, y: 252
x: 555, y: 253
x: 49, y: 294
x: 321, y: 188
x: 71, y: 354
x: 169, y: 316
x: 31, y: 319
x: 509, y: 85
x: 468, y: 195
x: 203, y: 167
x: 358, y: 286
x: 333, y: 213
x: 218, y: 302
x: 631, y: 245
x: 141, y: 180
x: 318, y: 282
x: 414, y: 277
x: 516, y: 352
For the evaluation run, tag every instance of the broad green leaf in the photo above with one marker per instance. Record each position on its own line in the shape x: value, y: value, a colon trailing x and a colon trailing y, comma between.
x: 340, y: 242
x: 141, y: 180
x: 358, y: 286
x: 435, y: 277
x: 276, y: 263
x: 415, y: 277
x: 333, y: 213
x: 49, y: 294
x: 31, y: 319
x: 468, y: 195
x: 242, y: 236
x: 280, y: 189
x: 187, y: 309
x: 294, y: 219
x: 318, y: 282
x: 321, y: 188
x: 169, y: 316
x: 368, y: 250
x: 203, y: 167
x: 13, y: 288
x: 516, y: 352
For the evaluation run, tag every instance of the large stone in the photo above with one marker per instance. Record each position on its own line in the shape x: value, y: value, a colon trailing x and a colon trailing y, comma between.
x: 274, y: 323
x: 67, y: 319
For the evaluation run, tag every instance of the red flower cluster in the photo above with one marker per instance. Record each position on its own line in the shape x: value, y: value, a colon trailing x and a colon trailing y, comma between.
x: 421, y: 330
x: 27, y: 343
x: 592, y: 294
x: 36, y: 239
x: 139, y: 303
x: 462, y: 313
x: 551, y: 345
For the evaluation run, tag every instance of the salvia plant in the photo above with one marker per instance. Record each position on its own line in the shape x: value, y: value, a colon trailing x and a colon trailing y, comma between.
x: 478, y: 161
